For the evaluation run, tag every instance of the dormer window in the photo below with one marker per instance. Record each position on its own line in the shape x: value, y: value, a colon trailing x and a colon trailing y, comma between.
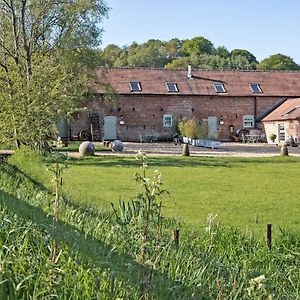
x: 135, y: 86
x: 255, y: 88
x: 219, y: 87
x: 172, y: 87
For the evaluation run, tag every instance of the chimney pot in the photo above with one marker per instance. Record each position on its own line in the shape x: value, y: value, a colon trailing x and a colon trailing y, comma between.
x: 189, y: 75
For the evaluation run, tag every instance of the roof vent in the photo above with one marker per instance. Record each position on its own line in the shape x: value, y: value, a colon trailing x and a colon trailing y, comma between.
x: 189, y: 75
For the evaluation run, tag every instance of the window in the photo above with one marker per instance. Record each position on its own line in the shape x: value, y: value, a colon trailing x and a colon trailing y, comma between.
x: 135, y: 86
x: 248, y: 121
x: 172, y: 87
x: 255, y: 88
x: 219, y: 87
x: 291, y: 110
x: 281, y: 132
x: 168, y: 120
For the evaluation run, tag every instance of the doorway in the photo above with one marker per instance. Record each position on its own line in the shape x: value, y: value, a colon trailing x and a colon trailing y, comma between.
x: 110, y: 128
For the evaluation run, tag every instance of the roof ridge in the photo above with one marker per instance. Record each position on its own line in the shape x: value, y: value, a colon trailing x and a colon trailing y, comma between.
x: 197, y: 70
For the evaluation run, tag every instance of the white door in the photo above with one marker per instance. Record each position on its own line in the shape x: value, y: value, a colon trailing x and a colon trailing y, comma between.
x: 110, y: 128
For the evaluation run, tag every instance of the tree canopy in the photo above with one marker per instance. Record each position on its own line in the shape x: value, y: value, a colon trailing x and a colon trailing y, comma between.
x: 278, y: 62
x: 46, y: 57
x: 177, y: 54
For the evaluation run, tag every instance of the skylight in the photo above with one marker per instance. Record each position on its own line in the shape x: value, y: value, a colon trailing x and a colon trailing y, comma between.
x: 172, y: 87
x: 219, y: 87
x: 255, y: 88
x: 135, y: 86
x: 291, y: 110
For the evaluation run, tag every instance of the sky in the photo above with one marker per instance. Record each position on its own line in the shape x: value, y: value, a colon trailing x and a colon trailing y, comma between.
x: 263, y: 27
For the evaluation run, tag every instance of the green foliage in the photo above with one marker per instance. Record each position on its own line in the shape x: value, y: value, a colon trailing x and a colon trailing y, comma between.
x: 189, y: 128
x: 193, y: 129
x: 244, y: 53
x: 273, y: 137
x: 198, y: 45
x: 203, y: 130
x: 144, y: 222
x: 46, y: 65
x: 278, y: 62
x: 95, y: 262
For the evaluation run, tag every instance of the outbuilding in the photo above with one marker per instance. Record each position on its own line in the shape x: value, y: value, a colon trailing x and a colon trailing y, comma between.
x: 284, y: 122
x: 147, y: 104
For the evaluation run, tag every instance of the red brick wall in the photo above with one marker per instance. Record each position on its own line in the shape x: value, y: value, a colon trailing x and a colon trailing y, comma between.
x: 144, y: 114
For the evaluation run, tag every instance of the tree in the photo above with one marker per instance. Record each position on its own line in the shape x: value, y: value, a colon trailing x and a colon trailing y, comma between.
x: 245, y: 54
x: 45, y: 63
x: 173, y: 48
x: 111, y: 53
x: 278, y: 62
x: 198, y: 45
x: 150, y: 54
x: 222, y: 52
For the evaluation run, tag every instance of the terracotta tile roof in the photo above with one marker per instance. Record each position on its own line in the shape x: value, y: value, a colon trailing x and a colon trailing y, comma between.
x: 289, y: 110
x: 281, y: 84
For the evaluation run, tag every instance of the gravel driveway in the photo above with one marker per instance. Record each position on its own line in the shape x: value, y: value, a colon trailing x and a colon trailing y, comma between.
x: 226, y: 149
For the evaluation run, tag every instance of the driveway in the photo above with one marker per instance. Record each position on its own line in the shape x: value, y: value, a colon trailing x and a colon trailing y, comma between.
x: 226, y: 149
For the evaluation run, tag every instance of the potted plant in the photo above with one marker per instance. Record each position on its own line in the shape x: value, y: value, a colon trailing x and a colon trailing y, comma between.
x: 272, y: 137
x: 189, y: 129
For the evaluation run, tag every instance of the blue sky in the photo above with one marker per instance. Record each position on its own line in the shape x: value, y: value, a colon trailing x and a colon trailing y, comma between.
x: 263, y: 27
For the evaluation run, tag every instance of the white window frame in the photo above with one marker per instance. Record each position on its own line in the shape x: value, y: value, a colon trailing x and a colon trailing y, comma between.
x: 168, y: 120
x: 248, y: 121
x: 257, y: 86
x: 138, y: 86
x: 281, y: 132
x: 175, y: 90
x: 221, y: 85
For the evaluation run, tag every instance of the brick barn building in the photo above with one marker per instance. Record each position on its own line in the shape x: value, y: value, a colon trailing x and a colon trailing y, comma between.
x: 150, y: 102
x: 284, y: 122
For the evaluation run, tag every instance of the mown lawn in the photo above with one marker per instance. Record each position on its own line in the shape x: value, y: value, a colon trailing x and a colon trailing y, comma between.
x: 104, y: 252
x: 244, y: 192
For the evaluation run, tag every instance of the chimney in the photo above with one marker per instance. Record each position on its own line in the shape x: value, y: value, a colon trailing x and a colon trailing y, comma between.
x: 189, y: 75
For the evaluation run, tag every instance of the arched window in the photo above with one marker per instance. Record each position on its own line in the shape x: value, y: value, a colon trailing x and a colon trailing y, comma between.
x: 168, y: 120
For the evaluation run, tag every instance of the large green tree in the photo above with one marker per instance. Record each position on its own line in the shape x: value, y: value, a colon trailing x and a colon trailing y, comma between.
x: 278, y: 62
x: 153, y: 53
x: 198, y: 45
x: 46, y: 58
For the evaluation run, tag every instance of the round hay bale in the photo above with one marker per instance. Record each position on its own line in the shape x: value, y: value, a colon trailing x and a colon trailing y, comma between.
x: 117, y: 146
x: 86, y: 149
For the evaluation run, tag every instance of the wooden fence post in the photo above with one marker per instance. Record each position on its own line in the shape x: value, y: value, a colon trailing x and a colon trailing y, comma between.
x: 269, y: 236
x: 175, y: 237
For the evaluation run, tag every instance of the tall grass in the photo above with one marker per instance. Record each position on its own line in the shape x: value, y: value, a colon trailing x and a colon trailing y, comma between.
x: 96, y: 254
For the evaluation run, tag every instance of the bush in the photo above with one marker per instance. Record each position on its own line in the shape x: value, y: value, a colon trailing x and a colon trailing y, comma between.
x: 193, y: 129
x: 189, y: 128
x: 273, y: 137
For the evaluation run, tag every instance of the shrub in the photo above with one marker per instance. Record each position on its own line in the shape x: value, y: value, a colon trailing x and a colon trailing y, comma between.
x: 189, y: 128
x: 193, y: 129
x: 273, y: 137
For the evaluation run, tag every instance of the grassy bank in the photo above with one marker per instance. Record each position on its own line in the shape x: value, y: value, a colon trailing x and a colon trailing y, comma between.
x: 98, y: 256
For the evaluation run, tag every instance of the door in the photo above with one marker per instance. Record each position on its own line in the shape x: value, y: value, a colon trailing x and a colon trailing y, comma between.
x: 110, y: 128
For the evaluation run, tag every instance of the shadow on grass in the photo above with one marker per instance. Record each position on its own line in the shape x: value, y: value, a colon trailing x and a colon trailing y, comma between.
x: 92, y: 252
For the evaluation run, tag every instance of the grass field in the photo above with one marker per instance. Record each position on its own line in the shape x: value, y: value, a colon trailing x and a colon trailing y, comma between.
x: 244, y: 192
x: 99, y: 256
